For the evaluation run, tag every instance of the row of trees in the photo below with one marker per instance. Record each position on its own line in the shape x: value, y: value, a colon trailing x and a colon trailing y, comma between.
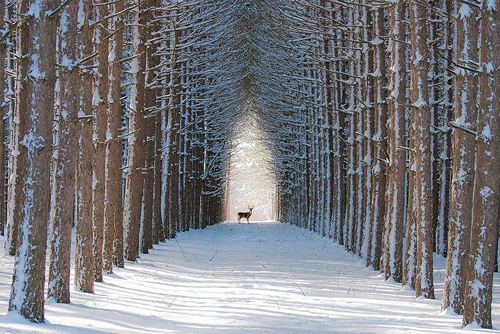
x: 108, y: 105
x: 381, y: 118
x: 391, y: 140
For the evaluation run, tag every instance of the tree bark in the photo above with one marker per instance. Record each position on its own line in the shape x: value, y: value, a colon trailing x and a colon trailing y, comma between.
x: 396, y: 173
x: 3, y: 109
x: 484, y: 234
x: 150, y: 94
x: 379, y: 141
x: 35, y: 151
x: 84, y: 260
x: 99, y: 107
x: 113, y: 209
x: 419, y: 99
x: 62, y: 215
x: 464, y: 161
x: 137, y: 134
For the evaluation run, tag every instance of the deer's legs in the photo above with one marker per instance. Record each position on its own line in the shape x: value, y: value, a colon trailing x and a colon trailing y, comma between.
x: 248, y: 221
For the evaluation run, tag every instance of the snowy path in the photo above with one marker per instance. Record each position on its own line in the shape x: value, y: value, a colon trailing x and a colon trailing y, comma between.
x: 230, y: 278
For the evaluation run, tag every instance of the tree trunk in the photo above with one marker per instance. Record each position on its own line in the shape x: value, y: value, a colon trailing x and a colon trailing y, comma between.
x: 464, y: 160
x: 396, y: 174
x: 478, y: 291
x: 424, y: 285
x: 35, y: 151
x: 3, y: 112
x: 113, y: 210
x: 136, y: 136
x: 84, y: 261
x: 62, y: 215
x: 380, y: 143
x: 100, y: 106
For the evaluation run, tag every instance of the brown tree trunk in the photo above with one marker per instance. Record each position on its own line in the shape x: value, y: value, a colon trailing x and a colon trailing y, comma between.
x: 84, y: 261
x: 14, y: 188
x: 445, y: 117
x: 113, y: 214
x: 100, y: 106
x: 136, y: 136
x: 370, y: 102
x: 377, y: 201
x: 419, y: 99
x: 62, y: 215
x: 351, y: 186
x: 36, y: 81
x: 158, y: 228
x: 150, y: 94
x: 396, y: 174
x: 463, y: 163
x: 484, y: 234
x: 3, y: 109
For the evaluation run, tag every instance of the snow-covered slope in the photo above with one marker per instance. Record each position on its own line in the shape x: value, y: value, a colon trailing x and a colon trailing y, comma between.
x: 256, y: 278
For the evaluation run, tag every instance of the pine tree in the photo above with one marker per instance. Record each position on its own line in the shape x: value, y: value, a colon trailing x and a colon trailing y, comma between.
x: 424, y: 285
x: 379, y: 140
x: 84, y: 259
x: 396, y: 171
x: 484, y: 230
x: 3, y: 111
x: 113, y: 210
x: 99, y: 108
x: 136, y: 136
x: 62, y: 213
x: 35, y: 151
x: 465, y: 116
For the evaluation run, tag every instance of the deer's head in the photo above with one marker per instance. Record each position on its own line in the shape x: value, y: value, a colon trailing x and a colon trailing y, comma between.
x: 250, y: 208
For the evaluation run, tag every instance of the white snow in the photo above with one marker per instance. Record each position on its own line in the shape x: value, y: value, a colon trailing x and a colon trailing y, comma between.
x: 490, y: 4
x: 35, y: 9
x: 486, y: 134
x: 247, y: 278
x: 465, y: 11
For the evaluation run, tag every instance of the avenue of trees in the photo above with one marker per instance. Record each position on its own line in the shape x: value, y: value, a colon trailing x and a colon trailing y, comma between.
x: 392, y: 143
x: 382, y: 118
x: 108, y: 137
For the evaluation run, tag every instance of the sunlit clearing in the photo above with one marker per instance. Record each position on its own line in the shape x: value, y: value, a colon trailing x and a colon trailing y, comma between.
x: 251, y: 183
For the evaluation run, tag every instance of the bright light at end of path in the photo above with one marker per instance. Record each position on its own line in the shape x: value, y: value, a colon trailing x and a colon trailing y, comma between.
x: 251, y: 182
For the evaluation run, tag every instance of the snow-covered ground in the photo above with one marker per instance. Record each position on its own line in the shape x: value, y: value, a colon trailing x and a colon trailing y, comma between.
x: 230, y: 278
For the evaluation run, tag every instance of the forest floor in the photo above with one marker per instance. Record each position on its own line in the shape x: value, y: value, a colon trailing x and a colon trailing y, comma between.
x: 240, y: 278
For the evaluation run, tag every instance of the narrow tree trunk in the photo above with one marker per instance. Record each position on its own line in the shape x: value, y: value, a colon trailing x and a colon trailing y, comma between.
x: 84, y: 261
x: 378, y: 205
x: 394, y: 220
x: 158, y: 227
x: 100, y: 106
x: 35, y: 151
x: 149, y: 147
x: 445, y: 158
x: 464, y: 160
x: 136, y: 136
x: 113, y: 214
x: 62, y: 215
x: 478, y: 291
x: 14, y: 203
x: 424, y: 285
x: 3, y: 109
x: 368, y: 106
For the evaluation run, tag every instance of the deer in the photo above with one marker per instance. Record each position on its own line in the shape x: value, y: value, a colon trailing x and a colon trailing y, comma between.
x: 245, y: 215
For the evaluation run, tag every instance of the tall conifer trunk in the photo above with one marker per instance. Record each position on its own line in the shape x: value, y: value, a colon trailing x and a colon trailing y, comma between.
x: 484, y: 231
x: 37, y: 38
x: 62, y: 217
x: 84, y: 260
